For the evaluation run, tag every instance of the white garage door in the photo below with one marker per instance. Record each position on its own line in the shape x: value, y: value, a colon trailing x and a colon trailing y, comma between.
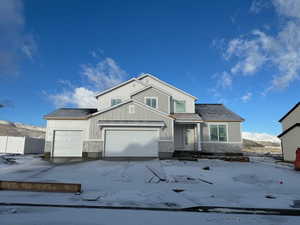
x: 67, y: 143
x: 131, y: 143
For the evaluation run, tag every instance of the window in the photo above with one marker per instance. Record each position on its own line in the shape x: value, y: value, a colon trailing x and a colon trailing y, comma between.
x: 218, y: 132
x: 151, y: 101
x: 115, y: 101
x: 179, y: 106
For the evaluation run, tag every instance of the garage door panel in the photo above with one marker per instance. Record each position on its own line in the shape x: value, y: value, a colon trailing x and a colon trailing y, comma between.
x: 67, y: 143
x: 131, y: 143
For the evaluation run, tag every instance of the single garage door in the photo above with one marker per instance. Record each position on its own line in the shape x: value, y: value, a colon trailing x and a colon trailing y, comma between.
x: 131, y: 143
x: 67, y: 143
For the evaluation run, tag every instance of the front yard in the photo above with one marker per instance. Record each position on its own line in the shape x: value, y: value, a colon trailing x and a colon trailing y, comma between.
x: 123, y: 183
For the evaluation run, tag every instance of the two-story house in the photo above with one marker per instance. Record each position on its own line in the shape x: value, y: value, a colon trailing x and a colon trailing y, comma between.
x: 142, y: 117
x: 290, y: 136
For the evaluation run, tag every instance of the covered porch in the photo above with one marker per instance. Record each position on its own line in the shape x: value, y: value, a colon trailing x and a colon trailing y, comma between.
x: 187, y: 132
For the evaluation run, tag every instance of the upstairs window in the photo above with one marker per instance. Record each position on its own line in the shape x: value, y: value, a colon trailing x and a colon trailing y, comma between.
x: 218, y: 132
x: 151, y: 101
x: 179, y: 106
x: 115, y: 101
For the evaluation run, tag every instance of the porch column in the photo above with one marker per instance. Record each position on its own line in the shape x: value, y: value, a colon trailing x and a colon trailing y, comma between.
x: 199, y: 137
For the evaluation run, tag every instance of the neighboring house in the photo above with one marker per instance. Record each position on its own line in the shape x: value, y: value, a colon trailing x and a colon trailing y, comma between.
x: 290, y: 136
x: 21, y: 145
x: 142, y: 117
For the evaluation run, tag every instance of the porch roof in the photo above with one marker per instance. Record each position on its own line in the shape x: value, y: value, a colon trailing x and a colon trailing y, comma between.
x: 186, y: 117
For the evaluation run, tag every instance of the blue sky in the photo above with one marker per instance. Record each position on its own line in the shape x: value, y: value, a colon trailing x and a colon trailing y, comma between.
x: 244, y: 54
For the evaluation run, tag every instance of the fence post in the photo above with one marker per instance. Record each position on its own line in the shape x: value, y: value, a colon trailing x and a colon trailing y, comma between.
x: 6, y: 144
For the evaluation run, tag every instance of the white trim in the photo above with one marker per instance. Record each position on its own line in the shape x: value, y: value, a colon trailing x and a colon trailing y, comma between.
x: 119, y: 85
x: 171, y: 86
x: 199, y: 137
x: 132, y: 124
x: 214, y: 123
x: 146, y: 88
x: 169, y: 104
x: 151, y: 97
x: 170, y: 140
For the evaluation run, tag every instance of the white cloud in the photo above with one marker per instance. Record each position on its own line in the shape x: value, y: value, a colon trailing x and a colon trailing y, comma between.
x: 224, y: 80
x: 247, y: 97
x: 289, y: 8
x: 102, y: 75
x: 80, y: 97
x: 281, y: 51
x: 13, y: 37
x: 258, y: 5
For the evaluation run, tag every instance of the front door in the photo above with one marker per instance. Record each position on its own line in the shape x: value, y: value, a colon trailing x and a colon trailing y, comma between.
x: 185, y: 137
x: 189, y: 138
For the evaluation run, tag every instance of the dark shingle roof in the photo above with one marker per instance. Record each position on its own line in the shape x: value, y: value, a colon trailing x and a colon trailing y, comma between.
x: 216, y: 112
x: 186, y: 116
x: 71, y: 113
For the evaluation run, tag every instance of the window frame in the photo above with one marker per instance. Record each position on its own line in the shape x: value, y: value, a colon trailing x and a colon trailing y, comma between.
x: 218, y: 124
x: 151, y: 97
x: 175, y: 108
x: 113, y: 99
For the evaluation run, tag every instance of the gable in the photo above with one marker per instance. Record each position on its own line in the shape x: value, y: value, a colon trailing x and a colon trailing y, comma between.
x: 148, y: 79
x: 122, y: 92
x: 163, y: 100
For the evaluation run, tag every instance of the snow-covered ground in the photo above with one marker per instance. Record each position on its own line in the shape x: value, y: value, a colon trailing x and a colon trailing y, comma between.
x: 123, y: 183
x: 59, y: 216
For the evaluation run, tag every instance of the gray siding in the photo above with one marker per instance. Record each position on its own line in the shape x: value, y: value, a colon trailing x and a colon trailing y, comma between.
x: 122, y: 113
x: 291, y: 119
x: 290, y: 142
x: 163, y: 99
x: 234, y: 131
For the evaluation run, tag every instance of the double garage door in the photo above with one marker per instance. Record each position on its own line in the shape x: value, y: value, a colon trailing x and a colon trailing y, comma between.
x: 131, y: 143
x: 118, y: 143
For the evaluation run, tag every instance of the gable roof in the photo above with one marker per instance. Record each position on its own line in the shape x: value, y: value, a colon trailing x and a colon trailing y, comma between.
x: 216, y: 112
x: 117, y: 86
x: 289, y: 129
x: 148, y: 87
x: 165, y: 83
x: 67, y: 113
x: 288, y: 113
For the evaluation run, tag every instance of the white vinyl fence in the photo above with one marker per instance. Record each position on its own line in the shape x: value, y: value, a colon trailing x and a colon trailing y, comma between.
x: 21, y: 145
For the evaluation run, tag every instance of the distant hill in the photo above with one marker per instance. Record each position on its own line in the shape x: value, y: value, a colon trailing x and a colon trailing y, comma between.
x: 8, y: 128
x: 260, y: 137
